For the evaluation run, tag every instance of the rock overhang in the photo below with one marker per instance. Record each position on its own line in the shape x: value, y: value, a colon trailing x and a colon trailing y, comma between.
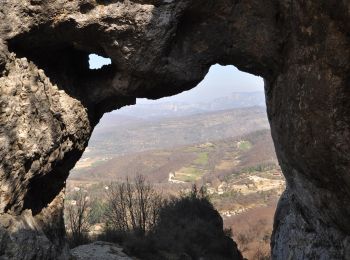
x: 160, y: 48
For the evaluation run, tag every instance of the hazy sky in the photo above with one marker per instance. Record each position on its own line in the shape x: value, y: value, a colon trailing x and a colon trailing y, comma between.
x: 220, y: 81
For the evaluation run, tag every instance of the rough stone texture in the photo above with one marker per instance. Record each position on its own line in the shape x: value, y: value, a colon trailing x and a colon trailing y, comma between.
x: 99, y: 250
x: 43, y: 131
x: 50, y: 101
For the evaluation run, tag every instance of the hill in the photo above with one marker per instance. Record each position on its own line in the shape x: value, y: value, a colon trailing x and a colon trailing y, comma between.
x: 171, y: 107
x: 201, y: 161
x: 119, y: 134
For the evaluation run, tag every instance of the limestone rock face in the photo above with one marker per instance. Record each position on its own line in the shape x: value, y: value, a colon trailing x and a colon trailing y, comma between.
x: 50, y: 101
x: 43, y: 133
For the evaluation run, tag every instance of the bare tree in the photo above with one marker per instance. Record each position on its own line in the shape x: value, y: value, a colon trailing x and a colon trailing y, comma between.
x: 77, y: 219
x: 132, y: 206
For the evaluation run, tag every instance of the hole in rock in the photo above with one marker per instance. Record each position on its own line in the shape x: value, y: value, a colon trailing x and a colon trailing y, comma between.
x: 216, y: 136
x: 76, y: 71
x: 97, y: 62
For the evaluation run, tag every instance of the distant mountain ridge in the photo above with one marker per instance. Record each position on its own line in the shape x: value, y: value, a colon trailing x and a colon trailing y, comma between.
x: 160, y: 109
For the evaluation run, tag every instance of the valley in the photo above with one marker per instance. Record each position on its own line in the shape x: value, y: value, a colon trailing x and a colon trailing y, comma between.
x: 228, y: 152
x: 119, y: 135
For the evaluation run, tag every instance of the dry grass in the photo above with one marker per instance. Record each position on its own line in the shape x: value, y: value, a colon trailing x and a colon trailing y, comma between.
x: 252, y: 230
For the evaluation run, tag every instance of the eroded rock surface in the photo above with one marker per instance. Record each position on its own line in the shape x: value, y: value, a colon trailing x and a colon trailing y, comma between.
x: 100, y: 250
x: 50, y: 101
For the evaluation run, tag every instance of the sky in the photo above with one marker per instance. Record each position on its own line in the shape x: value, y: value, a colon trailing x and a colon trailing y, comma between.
x: 96, y: 62
x: 220, y: 81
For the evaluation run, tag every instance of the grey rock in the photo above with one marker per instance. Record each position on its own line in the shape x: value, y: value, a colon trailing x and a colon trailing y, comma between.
x: 99, y: 250
x: 50, y: 101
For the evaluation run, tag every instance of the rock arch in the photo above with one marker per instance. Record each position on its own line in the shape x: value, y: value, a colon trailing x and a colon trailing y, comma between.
x: 50, y: 101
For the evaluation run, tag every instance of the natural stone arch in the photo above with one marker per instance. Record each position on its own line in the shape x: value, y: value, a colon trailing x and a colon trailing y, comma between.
x: 50, y: 101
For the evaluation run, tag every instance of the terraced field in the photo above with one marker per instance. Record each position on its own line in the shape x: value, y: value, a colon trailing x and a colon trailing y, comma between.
x: 203, y: 162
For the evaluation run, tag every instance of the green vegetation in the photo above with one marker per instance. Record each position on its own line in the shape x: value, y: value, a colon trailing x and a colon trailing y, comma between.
x: 259, y: 168
x: 189, y: 174
x: 244, y: 145
x: 97, y: 212
x: 202, y: 158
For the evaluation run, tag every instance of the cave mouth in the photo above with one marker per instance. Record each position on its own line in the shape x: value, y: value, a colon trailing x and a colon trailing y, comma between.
x: 215, y: 95
x: 79, y: 71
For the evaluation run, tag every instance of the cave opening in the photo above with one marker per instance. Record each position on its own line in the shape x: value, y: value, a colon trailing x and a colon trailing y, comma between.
x: 97, y: 62
x: 77, y: 70
x: 215, y: 135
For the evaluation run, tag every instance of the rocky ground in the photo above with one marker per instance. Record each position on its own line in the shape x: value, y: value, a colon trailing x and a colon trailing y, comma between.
x: 100, y: 250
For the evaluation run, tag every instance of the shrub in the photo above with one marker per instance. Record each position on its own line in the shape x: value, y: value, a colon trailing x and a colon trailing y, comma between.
x: 190, y: 226
x: 183, y: 228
